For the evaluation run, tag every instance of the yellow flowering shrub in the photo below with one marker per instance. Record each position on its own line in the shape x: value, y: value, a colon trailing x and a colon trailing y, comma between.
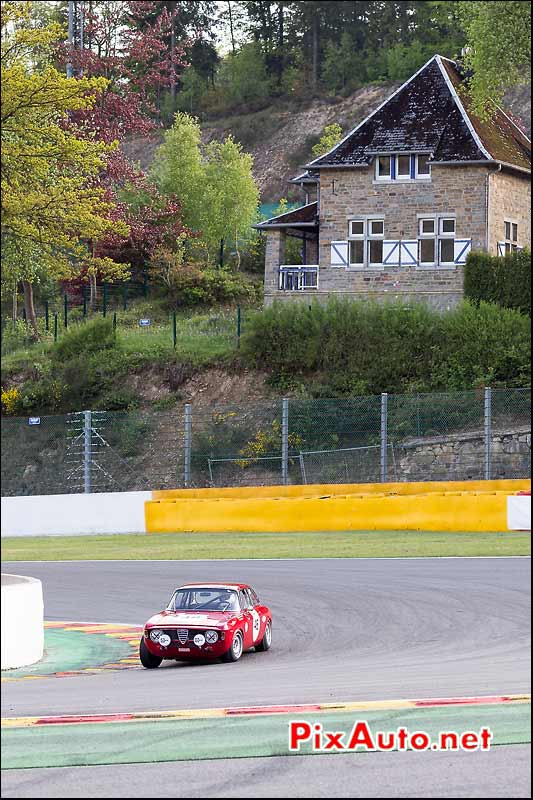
x: 11, y: 400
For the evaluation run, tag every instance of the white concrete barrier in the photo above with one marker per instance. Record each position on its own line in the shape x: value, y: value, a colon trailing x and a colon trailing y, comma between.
x: 74, y: 514
x: 519, y: 513
x: 22, y: 621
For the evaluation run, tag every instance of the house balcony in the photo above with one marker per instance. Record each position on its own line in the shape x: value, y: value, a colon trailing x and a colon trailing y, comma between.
x: 298, y: 278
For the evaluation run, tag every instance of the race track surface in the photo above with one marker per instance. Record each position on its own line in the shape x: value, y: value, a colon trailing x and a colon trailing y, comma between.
x: 344, y: 630
x: 502, y: 772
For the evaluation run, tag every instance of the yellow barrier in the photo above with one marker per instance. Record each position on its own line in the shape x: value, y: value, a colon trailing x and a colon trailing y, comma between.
x: 315, y: 490
x: 429, y: 512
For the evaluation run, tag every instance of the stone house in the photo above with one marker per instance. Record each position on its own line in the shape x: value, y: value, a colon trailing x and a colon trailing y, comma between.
x: 393, y: 210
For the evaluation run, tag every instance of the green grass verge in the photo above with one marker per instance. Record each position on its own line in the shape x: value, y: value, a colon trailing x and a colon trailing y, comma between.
x: 361, y: 544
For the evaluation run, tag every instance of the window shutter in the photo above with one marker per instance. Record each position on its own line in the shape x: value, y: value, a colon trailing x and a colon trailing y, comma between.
x: 461, y: 248
x: 339, y: 254
x: 409, y: 253
x: 501, y: 248
x: 391, y: 253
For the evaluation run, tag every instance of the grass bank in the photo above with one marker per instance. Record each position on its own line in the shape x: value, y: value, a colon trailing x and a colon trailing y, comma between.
x: 389, y: 544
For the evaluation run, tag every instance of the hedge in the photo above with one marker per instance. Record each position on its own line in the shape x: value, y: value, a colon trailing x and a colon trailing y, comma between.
x: 502, y: 280
x: 354, y: 348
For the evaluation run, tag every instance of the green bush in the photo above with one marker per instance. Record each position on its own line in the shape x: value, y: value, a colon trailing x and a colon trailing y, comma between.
x: 92, y: 337
x: 505, y: 281
x: 365, y: 348
x: 209, y: 286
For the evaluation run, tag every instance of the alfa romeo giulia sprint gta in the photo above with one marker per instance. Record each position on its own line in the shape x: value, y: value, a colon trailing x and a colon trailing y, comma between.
x: 207, y: 621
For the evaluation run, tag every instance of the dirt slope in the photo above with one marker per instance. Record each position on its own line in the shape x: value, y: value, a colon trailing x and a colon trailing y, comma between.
x: 280, y: 137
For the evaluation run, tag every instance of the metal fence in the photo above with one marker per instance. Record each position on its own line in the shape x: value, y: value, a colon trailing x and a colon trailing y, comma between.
x: 454, y: 436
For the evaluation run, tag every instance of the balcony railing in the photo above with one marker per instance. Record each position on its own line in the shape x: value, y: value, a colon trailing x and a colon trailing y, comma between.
x: 298, y: 278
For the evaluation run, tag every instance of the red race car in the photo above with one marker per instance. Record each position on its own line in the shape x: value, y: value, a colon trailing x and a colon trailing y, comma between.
x: 204, y: 621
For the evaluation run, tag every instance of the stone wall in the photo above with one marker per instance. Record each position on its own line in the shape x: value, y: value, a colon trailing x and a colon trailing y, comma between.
x: 462, y: 457
x: 458, y: 191
x: 509, y: 199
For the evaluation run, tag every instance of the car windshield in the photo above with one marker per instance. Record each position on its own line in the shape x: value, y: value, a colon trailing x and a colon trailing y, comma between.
x: 202, y: 598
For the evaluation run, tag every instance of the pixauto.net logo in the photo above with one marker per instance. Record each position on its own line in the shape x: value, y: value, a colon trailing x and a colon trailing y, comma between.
x: 361, y: 738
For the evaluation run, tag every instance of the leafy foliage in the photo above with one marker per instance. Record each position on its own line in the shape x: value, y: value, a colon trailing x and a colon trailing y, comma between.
x: 365, y: 348
x: 505, y: 281
x: 499, y: 49
x: 91, y: 337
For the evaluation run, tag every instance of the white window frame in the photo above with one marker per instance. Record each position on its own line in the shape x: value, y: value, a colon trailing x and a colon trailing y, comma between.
x: 422, y: 176
x: 393, y: 168
x: 402, y: 176
x: 510, y: 242
x: 425, y: 235
x: 366, y: 237
x: 438, y: 236
x: 388, y: 177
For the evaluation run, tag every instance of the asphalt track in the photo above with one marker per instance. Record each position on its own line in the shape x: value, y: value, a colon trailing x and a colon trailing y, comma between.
x: 344, y: 630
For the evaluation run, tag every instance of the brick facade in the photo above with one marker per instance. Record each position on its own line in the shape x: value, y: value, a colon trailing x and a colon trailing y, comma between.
x: 509, y: 199
x: 456, y: 190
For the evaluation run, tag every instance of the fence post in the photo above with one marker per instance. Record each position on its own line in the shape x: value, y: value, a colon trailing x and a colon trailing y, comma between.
x: 174, y: 330
x: 55, y: 326
x: 87, y: 452
x: 84, y: 300
x: 238, y: 327
x: 104, y: 300
x: 46, y: 315
x: 285, y: 441
x: 188, y: 442
x: 125, y: 298
x: 114, y: 320
x: 384, y: 430
x: 65, y: 310
x: 488, y: 404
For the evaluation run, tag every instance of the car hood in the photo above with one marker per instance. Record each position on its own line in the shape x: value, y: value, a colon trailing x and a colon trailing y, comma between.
x: 191, y: 619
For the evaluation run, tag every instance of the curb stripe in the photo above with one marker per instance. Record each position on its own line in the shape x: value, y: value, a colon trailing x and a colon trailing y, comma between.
x: 205, y: 713
x: 129, y: 634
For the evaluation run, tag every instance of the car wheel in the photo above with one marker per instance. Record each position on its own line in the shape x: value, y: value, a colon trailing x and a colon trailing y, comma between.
x: 266, y: 641
x: 148, y: 660
x: 235, y: 651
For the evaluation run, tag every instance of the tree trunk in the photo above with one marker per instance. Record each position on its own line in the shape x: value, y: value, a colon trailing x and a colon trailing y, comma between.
x: 316, y: 29
x: 281, y: 43
x: 93, y: 291
x: 237, y: 251
x: 172, y: 51
x: 230, y: 14
x: 14, y: 306
x: 30, y: 308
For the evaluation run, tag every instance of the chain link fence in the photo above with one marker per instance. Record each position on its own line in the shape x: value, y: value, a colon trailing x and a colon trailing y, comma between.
x: 455, y: 436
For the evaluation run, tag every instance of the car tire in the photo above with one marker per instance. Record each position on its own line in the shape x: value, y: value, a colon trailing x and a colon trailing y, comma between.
x: 236, y: 648
x: 266, y: 641
x: 148, y: 660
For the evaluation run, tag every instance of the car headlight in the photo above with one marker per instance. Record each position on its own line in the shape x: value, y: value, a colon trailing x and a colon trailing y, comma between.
x: 155, y: 634
x: 211, y: 637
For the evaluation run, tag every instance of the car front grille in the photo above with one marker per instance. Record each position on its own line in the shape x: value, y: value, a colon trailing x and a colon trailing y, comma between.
x: 182, y: 635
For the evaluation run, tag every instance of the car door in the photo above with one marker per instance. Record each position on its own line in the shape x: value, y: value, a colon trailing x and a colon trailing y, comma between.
x: 256, y: 623
x: 250, y: 632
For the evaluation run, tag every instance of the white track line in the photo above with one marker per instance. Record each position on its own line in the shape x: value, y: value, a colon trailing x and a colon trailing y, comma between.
x: 216, y: 560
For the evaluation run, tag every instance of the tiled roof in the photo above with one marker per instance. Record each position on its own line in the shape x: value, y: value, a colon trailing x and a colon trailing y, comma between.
x: 305, y: 177
x: 429, y: 114
x: 305, y: 215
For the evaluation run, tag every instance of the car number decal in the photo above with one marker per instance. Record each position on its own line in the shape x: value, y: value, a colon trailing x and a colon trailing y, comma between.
x: 256, y: 624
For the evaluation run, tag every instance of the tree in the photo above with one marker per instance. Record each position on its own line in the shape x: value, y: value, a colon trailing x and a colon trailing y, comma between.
x: 50, y: 199
x: 218, y: 194
x: 331, y: 135
x: 231, y: 194
x: 499, y: 49
x: 177, y: 168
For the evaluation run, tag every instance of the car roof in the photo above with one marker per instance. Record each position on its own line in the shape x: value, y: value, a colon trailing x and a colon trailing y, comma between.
x: 206, y: 585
